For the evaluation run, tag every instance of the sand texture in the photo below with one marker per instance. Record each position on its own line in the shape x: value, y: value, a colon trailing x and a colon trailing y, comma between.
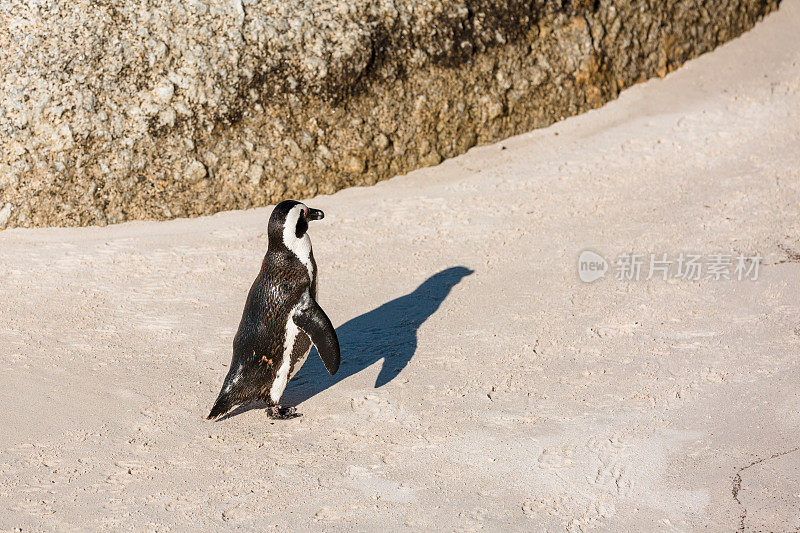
x: 483, y: 385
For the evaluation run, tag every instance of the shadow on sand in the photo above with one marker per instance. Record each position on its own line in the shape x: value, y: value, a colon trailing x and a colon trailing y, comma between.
x: 388, y: 332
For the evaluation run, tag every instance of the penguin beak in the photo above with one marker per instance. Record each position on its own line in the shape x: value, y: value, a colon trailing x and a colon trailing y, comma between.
x: 314, y: 214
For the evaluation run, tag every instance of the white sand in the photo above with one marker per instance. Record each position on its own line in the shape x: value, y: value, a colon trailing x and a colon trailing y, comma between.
x: 530, y: 400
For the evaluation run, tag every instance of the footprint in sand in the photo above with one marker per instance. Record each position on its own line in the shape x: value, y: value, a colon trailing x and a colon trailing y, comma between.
x: 554, y: 458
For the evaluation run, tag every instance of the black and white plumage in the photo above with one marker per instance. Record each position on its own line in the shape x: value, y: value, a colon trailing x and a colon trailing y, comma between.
x: 281, y: 318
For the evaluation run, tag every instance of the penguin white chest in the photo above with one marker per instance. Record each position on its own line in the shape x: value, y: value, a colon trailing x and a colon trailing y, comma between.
x: 287, y: 371
x: 282, y: 375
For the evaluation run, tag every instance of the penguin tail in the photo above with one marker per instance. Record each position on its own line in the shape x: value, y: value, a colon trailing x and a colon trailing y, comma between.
x: 221, y: 406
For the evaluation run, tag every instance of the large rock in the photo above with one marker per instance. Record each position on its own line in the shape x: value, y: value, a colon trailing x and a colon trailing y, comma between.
x: 118, y: 110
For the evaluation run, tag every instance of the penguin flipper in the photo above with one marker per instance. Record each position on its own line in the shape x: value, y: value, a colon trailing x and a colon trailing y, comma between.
x: 310, y: 318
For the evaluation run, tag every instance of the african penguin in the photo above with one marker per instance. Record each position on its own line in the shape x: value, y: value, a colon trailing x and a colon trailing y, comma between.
x: 281, y: 318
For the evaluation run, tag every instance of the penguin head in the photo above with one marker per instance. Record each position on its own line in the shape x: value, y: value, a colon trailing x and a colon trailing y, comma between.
x: 288, y: 223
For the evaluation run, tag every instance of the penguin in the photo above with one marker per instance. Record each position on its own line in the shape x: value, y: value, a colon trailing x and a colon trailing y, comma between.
x: 281, y: 318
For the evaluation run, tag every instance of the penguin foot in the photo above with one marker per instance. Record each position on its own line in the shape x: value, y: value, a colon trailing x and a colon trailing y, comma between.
x: 279, y: 412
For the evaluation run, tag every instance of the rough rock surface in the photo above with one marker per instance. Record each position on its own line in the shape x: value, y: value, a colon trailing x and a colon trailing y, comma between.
x: 111, y: 111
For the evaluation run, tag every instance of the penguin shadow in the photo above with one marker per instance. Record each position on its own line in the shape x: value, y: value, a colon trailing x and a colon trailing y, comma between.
x: 388, y: 332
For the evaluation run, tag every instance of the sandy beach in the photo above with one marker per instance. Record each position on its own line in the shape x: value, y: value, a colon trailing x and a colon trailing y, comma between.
x: 483, y: 384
